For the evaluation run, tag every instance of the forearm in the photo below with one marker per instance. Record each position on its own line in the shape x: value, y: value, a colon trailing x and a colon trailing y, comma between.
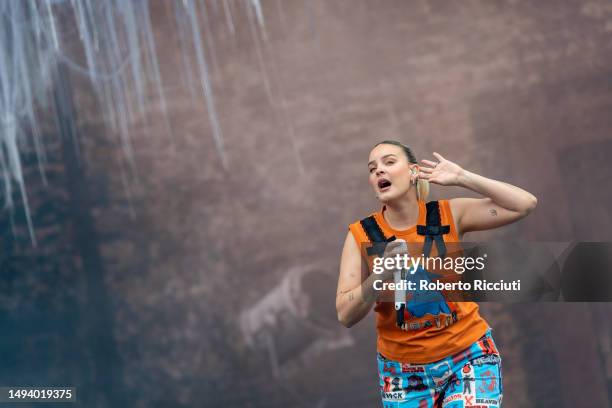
x: 354, y: 305
x: 503, y: 194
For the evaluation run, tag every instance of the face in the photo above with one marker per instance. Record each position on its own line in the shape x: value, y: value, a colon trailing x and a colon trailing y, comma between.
x: 390, y: 172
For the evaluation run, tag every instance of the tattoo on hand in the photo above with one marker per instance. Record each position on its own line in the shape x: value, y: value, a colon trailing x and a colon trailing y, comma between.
x: 493, y: 212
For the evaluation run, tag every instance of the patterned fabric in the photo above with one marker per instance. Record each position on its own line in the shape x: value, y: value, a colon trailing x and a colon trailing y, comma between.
x: 471, y: 378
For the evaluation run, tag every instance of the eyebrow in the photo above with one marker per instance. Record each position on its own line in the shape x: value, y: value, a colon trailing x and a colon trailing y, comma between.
x: 382, y: 158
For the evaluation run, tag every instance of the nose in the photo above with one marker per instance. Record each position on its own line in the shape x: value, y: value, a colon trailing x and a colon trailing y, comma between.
x: 379, y: 172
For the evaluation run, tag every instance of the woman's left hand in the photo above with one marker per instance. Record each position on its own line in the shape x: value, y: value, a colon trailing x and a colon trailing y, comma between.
x: 444, y: 172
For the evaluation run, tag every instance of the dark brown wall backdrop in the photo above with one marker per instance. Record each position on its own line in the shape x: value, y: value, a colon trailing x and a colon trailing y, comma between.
x: 157, y: 298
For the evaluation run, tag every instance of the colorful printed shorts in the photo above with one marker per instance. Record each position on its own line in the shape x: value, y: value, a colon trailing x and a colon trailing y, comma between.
x: 471, y: 378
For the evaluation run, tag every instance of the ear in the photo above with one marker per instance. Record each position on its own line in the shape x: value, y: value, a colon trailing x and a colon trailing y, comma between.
x: 414, y: 174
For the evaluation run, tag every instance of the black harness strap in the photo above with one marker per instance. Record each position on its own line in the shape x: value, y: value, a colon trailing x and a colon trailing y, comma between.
x: 434, y: 230
x: 375, y: 235
x: 377, y: 247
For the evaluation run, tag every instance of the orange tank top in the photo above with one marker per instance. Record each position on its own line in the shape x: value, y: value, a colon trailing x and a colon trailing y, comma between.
x: 430, y: 337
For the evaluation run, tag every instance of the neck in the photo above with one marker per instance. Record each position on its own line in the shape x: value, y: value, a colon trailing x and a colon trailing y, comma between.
x: 402, y: 213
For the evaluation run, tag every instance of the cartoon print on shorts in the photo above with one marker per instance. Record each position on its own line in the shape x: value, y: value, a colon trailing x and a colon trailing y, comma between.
x: 397, y: 382
x: 387, y: 382
x: 423, y: 403
x: 467, y: 373
x: 488, y: 382
x: 453, y: 383
x: 390, y: 367
x: 471, y: 378
x: 392, y: 389
x: 415, y: 383
x: 490, y: 359
x: 412, y: 368
x: 487, y: 345
x: 440, y: 372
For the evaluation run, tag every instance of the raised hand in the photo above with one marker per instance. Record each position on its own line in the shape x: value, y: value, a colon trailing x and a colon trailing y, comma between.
x: 443, y: 172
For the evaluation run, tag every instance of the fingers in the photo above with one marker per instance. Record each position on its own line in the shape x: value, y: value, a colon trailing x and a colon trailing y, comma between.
x: 438, y: 156
x: 402, y: 243
x: 396, y: 247
x: 429, y: 162
x: 429, y: 177
x: 392, y: 245
x: 398, y: 244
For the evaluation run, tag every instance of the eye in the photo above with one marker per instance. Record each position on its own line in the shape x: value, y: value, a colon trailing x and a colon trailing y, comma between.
x: 390, y: 162
x: 371, y: 169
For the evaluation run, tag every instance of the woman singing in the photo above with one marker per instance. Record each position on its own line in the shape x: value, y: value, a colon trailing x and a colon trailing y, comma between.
x: 433, y: 354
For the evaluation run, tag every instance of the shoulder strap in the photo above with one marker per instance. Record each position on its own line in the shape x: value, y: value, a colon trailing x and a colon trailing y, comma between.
x: 375, y: 235
x: 379, y: 243
x: 433, y: 230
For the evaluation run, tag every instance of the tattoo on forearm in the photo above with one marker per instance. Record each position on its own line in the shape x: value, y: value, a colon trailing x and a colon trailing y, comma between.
x: 493, y: 212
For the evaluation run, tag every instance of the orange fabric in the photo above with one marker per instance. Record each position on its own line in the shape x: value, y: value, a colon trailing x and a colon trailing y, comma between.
x: 429, y: 344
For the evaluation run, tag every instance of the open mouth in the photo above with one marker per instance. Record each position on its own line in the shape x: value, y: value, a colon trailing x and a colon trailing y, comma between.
x: 384, y: 184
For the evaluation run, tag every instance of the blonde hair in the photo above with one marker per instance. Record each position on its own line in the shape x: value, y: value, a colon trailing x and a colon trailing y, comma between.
x: 422, y: 189
x: 422, y: 186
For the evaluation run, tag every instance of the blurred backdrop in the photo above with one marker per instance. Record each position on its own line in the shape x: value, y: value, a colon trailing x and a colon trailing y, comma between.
x: 178, y: 177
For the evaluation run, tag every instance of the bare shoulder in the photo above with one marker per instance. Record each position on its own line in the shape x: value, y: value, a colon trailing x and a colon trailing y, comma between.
x: 350, y: 243
x: 352, y: 267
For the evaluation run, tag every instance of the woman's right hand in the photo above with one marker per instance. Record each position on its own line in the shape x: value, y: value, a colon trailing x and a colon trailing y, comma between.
x: 393, y: 248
